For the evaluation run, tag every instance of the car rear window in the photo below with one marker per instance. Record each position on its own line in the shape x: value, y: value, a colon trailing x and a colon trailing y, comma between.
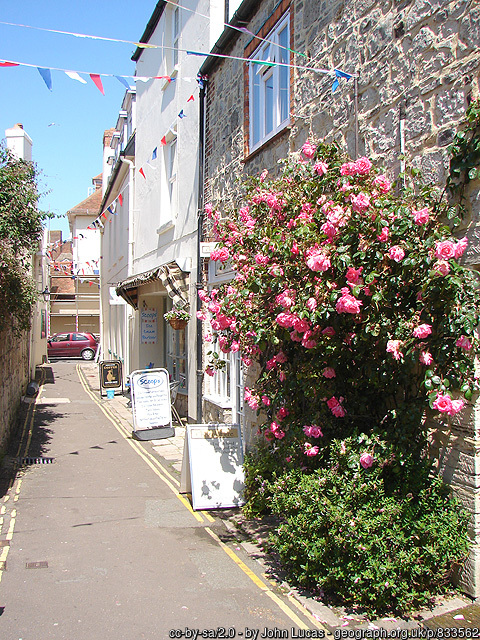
x: 79, y: 336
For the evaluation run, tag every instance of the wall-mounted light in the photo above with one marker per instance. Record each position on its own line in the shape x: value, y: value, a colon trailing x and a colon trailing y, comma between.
x: 45, y: 293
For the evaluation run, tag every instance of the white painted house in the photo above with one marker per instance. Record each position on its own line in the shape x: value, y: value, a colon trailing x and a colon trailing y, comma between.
x: 155, y: 264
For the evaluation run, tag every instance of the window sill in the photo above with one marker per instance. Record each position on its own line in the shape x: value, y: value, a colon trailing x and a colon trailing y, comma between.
x: 173, y: 77
x: 164, y: 228
x: 251, y: 154
x: 223, y: 404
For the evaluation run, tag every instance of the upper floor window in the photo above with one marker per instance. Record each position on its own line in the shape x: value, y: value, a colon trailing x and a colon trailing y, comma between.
x: 175, y: 35
x: 269, y: 90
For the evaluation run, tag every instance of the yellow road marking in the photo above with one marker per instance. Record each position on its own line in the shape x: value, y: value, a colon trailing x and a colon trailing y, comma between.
x: 27, y: 430
x: 259, y: 583
x: 162, y: 473
x: 155, y: 466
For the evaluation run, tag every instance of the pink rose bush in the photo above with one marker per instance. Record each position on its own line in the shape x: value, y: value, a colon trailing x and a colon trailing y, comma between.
x: 348, y: 298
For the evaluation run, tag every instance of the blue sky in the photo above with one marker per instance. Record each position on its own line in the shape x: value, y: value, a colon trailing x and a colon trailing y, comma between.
x: 67, y: 123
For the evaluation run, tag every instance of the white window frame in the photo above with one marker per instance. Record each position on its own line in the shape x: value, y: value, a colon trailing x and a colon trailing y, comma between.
x: 175, y: 36
x: 270, y: 113
x: 172, y: 162
x: 175, y: 357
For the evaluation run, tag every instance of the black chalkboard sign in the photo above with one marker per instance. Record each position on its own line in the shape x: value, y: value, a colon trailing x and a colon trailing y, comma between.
x: 110, y: 375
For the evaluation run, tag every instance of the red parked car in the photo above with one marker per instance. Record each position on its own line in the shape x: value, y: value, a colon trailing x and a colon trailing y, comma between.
x: 72, y: 345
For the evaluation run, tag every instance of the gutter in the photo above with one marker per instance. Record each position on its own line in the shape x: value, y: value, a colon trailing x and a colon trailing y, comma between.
x: 128, y: 151
x: 150, y: 28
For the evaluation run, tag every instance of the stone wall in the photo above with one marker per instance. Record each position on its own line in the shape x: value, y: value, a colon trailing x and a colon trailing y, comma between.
x: 14, y: 375
x: 416, y: 68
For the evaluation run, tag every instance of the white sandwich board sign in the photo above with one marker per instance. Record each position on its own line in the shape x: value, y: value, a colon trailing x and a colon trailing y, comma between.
x: 212, y: 467
x: 152, y: 411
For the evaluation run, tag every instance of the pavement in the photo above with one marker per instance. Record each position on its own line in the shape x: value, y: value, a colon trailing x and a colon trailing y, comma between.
x: 247, y: 537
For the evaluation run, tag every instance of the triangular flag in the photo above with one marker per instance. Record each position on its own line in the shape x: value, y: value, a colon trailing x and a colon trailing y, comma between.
x: 97, y: 82
x: 120, y: 199
x: 110, y: 210
x: 46, y: 75
x: 163, y: 141
x: 181, y: 115
x: 339, y: 74
x: 75, y: 76
x: 154, y: 154
x: 143, y: 174
x: 123, y: 81
x: 191, y: 98
x: 9, y: 64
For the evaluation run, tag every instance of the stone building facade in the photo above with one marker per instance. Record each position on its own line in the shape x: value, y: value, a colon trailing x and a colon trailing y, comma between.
x: 409, y: 69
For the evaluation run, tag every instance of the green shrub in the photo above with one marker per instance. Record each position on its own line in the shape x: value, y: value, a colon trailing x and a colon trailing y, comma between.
x: 383, y: 538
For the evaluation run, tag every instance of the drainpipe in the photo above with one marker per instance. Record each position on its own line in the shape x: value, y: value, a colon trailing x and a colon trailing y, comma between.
x: 131, y: 195
x: 201, y: 167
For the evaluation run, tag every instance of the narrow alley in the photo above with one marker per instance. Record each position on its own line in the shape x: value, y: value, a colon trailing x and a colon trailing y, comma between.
x: 96, y: 542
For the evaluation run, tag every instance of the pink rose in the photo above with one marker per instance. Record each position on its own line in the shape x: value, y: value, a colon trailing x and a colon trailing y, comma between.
x: 397, y: 253
x: 464, y: 343
x: 361, y: 202
x: 339, y: 411
x: 282, y: 413
x: 313, y: 431
x: 393, y: 347
x: 457, y: 406
x: 329, y: 372
x: 444, y: 250
x: 285, y: 319
x: 309, y: 450
x: 441, y: 267
x: 317, y: 260
x: 328, y: 331
x: 383, y: 237
x: 382, y: 183
x: 425, y: 357
x: 209, y: 371
x: 261, y: 260
x: 286, y: 299
x: 279, y: 434
x: 348, y: 169
x: 363, y: 166
x: 221, y: 255
x: 348, y: 303
x: 203, y: 295
x: 421, y: 216
x: 422, y: 331
x: 366, y: 460
x: 353, y: 275
x: 301, y: 325
x: 266, y: 401
x: 460, y: 247
x: 443, y: 403
x: 309, y: 149
x: 263, y: 175
x: 335, y: 407
x: 321, y: 168
x: 311, y: 304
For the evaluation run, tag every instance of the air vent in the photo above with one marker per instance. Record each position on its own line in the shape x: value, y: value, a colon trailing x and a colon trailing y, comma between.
x: 40, y: 460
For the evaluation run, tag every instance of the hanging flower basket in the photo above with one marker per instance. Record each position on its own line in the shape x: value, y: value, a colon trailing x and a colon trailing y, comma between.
x: 177, y: 323
x: 177, y: 318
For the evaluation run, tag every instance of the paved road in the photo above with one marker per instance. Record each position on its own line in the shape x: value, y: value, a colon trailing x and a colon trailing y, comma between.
x: 97, y: 544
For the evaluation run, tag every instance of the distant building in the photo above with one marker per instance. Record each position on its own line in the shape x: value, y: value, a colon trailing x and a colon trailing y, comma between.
x: 75, y: 269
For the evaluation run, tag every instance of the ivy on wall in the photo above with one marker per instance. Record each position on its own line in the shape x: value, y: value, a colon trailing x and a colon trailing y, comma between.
x: 20, y: 233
